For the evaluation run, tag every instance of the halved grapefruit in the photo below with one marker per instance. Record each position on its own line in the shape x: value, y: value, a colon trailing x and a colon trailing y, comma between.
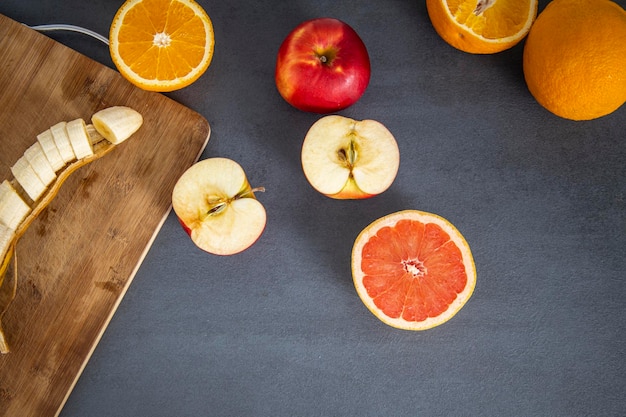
x: 413, y: 270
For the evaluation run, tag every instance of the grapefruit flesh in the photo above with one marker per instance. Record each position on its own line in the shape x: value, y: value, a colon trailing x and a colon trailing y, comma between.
x: 412, y: 269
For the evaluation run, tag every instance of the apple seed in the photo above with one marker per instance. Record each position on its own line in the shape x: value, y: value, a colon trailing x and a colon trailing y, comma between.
x: 221, y: 205
x: 348, y: 156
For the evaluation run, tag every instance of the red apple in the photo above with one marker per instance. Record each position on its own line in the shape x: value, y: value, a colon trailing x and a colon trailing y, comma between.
x: 322, y: 66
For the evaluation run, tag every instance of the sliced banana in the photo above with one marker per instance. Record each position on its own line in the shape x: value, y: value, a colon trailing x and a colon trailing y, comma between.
x: 46, y: 141
x: 6, y: 238
x: 28, y: 179
x: 79, y: 138
x: 40, y: 164
x: 13, y: 209
x: 62, y: 141
x: 94, y: 135
x: 41, y: 171
x: 117, y: 123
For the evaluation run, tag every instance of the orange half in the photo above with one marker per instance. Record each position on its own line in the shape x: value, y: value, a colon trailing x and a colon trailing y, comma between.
x: 482, y: 26
x: 413, y: 270
x: 161, y: 45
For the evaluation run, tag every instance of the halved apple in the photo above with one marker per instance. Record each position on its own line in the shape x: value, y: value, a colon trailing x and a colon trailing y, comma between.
x: 217, y: 207
x: 344, y: 158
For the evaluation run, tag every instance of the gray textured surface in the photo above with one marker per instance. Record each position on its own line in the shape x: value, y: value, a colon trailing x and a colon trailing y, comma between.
x: 279, y: 330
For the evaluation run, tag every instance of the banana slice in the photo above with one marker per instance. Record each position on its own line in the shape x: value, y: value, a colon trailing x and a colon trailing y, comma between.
x: 79, y: 138
x: 13, y: 209
x: 46, y: 141
x: 62, y: 141
x: 94, y: 135
x: 117, y: 123
x: 28, y: 179
x: 40, y: 164
x: 6, y: 237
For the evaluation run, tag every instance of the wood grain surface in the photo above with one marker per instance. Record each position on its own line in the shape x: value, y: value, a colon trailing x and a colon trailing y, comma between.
x: 78, y: 258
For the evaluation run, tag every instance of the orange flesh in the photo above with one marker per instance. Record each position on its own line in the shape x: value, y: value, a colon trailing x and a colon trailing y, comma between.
x: 412, y: 270
x: 140, y: 49
x: 504, y: 19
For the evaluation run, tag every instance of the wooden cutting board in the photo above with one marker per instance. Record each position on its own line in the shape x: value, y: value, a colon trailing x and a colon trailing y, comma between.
x: 78, y: 258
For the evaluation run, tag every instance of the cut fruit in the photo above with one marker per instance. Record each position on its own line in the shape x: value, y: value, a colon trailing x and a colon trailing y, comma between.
x: 46, y: 141
x: 413, y: 270
x: 6, y: 238
x: 483, y: 26
x: 117, y: 123
x: 13, y: 209
x: 94, y: 135
x: 217, y: 207
x: 28, y: 179
x: 39, y: 175
x: 62, y: 141
x: 161, y: 45
x: 79, y: 139
x: 344, y: 158
x: 40, y: 164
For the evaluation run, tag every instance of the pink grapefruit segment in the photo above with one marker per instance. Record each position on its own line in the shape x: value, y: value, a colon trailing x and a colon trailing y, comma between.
x: 413, y: 270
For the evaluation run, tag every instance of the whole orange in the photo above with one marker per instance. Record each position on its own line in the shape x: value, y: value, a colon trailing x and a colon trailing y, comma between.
x: 575, y: 58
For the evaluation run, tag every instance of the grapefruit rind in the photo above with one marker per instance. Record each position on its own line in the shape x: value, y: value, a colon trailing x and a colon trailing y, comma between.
x: 455, y: 236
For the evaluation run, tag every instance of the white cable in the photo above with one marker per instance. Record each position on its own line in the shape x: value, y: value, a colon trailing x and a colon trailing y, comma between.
x: 72, y: 28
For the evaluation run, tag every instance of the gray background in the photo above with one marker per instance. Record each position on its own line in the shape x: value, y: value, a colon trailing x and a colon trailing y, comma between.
x: 279, y: 329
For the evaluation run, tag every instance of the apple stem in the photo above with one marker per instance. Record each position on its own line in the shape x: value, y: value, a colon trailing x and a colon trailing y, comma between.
x: 326, y: 55
x: 251, y: 191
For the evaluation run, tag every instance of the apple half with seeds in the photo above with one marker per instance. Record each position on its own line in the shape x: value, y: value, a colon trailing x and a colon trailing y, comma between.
x: 344, y: 158
x: 216, y: 206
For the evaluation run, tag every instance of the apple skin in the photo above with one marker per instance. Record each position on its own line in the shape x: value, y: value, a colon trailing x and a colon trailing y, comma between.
x: 185, y: 227
x: 322, y: 66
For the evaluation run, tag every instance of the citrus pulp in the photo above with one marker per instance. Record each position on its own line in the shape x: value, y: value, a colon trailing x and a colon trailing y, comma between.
x: 161, y: 45
x: 482, y: 26
x: 413, y: 270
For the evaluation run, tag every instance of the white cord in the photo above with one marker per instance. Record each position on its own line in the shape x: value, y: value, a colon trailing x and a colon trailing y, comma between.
x: 72, y: 28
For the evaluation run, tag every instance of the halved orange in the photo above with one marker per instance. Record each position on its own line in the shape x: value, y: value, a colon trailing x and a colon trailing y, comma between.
x: 482, y: 26
x: 161, y: 45
x: 413, y: 270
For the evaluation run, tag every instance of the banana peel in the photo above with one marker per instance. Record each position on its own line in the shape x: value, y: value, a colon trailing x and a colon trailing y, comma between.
x: 8, y: 288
